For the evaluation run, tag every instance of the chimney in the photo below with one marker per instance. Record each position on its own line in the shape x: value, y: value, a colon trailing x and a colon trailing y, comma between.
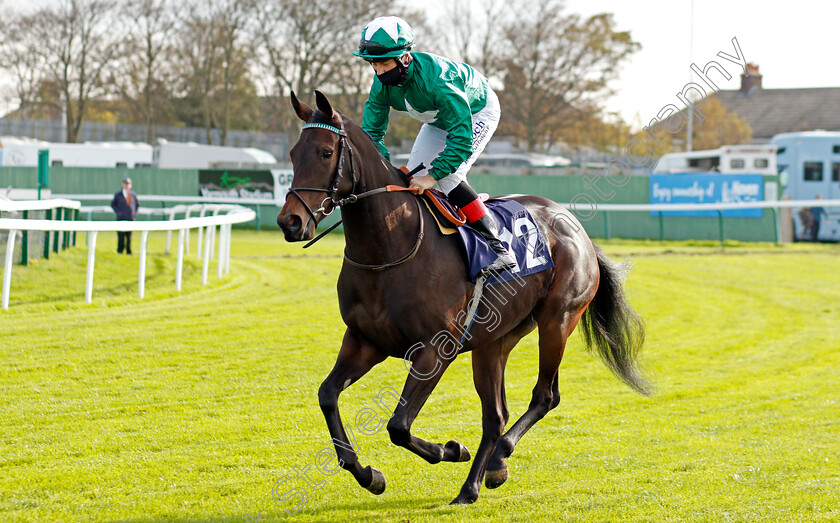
x: 751, y: 83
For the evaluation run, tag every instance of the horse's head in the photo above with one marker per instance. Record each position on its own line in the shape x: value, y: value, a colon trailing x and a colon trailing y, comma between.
x: 322, y: 169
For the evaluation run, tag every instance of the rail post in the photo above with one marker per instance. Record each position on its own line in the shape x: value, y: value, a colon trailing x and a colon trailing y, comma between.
x: 75, y: 219
x: 661, y: 228
x: 7, y: 268
x: 141, y: 278
x: 59, y: 216
x: 24, y: 247
x: 90, y: 260
x: 606, y: 225
x: 179, y: 267
x: 47, y: 237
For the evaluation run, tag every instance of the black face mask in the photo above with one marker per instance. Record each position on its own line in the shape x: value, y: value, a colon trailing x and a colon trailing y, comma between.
x: 395, y: 76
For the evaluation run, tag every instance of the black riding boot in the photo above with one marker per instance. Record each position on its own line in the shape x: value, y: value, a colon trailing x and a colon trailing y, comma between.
x: 487, y: 228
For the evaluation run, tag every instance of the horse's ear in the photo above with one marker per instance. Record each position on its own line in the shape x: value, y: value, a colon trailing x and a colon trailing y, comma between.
x: 303, y: 111
x: 323, y: 104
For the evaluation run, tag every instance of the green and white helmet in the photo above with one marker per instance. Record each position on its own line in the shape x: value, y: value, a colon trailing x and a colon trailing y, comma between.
x: 385, y: 37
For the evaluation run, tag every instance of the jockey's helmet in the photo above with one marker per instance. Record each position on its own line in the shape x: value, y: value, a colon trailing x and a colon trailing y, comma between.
x: 385, y: 37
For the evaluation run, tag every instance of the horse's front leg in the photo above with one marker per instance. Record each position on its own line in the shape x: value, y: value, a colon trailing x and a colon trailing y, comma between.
x: 426, y: 370
x: 355, y: 359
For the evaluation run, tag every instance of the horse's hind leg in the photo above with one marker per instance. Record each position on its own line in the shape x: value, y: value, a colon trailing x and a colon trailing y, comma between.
x: 355, y: 359
x: 545, y: 396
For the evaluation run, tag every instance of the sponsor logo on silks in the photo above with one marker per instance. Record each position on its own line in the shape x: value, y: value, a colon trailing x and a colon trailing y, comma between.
x: 480, y: 133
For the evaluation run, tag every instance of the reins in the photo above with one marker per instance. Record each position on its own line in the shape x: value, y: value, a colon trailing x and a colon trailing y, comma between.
x: 353, y: 198
x: 407, y: 257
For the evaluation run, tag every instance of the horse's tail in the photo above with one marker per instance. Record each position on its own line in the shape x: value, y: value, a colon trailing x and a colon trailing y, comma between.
x: 613, y: 328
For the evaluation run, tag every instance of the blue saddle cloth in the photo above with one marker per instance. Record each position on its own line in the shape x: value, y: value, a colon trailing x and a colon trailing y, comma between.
x: 518, y: 232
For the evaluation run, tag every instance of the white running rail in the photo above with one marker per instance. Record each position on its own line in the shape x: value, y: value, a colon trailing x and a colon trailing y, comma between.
x: 206, y: 226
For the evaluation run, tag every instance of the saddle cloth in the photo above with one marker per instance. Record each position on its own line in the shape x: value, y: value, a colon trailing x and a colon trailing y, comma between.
x: 519, y: 233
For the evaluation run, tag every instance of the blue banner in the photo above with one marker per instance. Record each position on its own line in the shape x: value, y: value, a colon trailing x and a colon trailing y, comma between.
x: 707, y: 188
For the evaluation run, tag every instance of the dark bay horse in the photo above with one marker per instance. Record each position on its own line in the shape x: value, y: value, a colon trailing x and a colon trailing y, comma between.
x: 403, y: 291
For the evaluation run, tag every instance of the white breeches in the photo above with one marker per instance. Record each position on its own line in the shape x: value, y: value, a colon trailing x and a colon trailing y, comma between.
x: 431, y: 141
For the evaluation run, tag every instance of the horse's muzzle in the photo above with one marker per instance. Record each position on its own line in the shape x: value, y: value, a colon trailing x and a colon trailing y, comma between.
x: 295, y: 229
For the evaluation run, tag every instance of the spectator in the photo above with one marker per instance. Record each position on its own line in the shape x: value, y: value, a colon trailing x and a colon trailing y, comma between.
x: 806, y: 218
x: 125, y: 204
x: 817, y: 213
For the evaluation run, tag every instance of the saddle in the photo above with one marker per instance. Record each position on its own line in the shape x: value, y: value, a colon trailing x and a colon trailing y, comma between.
x: 447, y: 216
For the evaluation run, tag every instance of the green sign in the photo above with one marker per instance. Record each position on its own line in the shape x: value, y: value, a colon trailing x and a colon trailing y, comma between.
x: 230, y: 184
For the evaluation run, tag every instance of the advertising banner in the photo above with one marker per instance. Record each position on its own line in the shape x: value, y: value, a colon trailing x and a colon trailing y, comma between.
x: 707, y: 188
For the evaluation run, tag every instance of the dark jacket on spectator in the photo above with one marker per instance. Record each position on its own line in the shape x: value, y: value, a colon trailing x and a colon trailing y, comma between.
x: 126, y: 210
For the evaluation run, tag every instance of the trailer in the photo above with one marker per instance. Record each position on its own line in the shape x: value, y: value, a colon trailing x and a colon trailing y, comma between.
x: 809, y: 166
x: 16, y: 151
x: 177, y: 155
x: 728, y: 159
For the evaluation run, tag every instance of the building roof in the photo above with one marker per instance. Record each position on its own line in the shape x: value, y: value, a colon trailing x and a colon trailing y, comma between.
x: 773, y: 111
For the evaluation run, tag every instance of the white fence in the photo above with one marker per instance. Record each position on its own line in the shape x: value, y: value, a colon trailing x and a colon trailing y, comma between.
x: 170, y: 213
x: 277, y: 201
x: 7, y: 205
x: 206, y: 226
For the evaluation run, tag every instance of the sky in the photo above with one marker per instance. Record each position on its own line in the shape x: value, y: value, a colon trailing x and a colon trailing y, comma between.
x: 795, y: 44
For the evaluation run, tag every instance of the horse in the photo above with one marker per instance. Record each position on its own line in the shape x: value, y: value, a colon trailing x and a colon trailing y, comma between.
x: 404, y: 287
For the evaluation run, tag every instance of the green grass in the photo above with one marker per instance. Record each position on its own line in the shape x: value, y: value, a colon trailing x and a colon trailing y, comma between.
x: 190, y: 406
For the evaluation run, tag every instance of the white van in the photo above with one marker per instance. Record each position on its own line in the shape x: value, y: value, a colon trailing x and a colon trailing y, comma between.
x: 728, y: 159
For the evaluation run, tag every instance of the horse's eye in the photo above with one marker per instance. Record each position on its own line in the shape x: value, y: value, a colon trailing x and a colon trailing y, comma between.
x: 326, y: 155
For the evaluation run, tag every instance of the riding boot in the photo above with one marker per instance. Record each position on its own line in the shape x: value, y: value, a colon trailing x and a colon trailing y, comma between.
x: 486, y: 227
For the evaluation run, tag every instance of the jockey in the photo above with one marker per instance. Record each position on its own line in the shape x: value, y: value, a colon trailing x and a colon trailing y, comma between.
x: 458, y: 109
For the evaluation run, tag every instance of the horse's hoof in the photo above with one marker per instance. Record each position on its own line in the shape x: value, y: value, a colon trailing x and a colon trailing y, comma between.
x: 377, y: 483
x: 464, y: 499
x: 460, y: 452
x: 495, y: 478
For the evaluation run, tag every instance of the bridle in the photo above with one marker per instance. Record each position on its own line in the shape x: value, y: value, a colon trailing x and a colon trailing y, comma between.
x: 342, y: 145
x: 329, y: 203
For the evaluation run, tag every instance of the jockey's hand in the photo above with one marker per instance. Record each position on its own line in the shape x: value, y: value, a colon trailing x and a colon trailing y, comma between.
x: 422, y: 183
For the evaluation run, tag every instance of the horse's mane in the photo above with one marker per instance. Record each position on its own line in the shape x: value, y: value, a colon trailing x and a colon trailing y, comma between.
x: 319, y: 117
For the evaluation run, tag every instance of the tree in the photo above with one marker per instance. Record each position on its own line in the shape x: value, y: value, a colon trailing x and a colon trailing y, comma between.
x: 141, y: 77
x: 308, y: 44
x: 472, y: 35
x: 718, y: 127
x: 556, y: 66
x: 590, y: 129
x: 214, y: 57
x: 237, y: 49
x: 76, y: 44
x: 17, y: 39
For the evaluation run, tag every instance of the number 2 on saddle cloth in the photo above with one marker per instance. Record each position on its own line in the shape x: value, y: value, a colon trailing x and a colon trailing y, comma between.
x: 517, y: 230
